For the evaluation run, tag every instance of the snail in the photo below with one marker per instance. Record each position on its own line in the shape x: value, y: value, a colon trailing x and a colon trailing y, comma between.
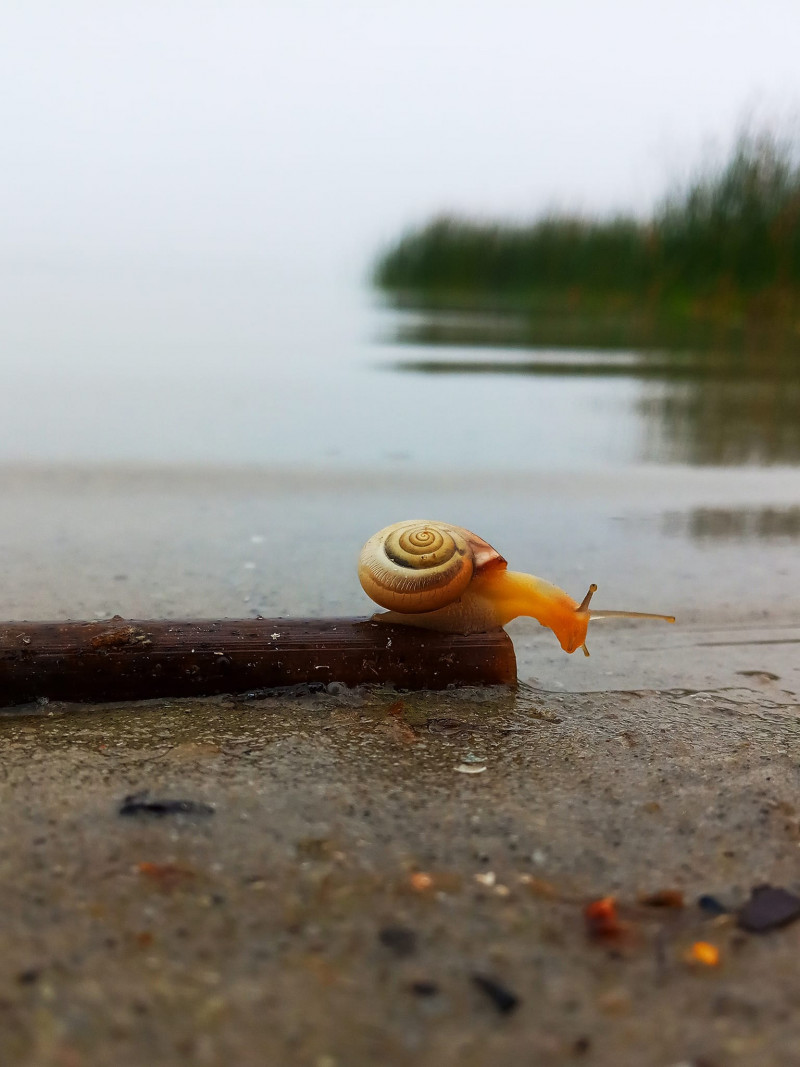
x: 443, y: 577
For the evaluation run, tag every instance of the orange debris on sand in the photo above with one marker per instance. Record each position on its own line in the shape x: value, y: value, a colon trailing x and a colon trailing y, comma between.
x: 602, y: 920
x: 663, y: 898
x: 703, y: 952
x: 420, y: 881
x: 166, y: 876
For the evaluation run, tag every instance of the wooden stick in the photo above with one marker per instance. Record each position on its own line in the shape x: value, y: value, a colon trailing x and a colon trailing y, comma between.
x: 91, y: 662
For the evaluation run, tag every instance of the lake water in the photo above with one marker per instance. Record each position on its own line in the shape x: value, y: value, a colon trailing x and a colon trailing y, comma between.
x: 677, y: 490
x: 240, y: 364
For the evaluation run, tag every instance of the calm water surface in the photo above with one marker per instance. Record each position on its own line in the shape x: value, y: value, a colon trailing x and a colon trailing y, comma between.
x: 246, y: 365
x: 280, y: 405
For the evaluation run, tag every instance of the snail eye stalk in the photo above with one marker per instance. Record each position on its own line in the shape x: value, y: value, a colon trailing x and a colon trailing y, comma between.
x: 584, y: 604
x: 595, y: 616
x: 599, y: 613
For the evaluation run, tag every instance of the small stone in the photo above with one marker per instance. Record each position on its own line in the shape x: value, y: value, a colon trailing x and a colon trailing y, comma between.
x: 141, y: 804
x: 768, y: 907
x: 503, y: 999
x: 662, y: 898
x: 424, y: 988
x: 400, y: 939
x: 711, y: 906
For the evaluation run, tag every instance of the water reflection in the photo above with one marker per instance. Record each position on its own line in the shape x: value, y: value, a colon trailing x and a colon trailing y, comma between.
x: 697, y: 405
x: 717, y: 368
x: 734, y: 524
x: 578, y: 330
x: 722, y: 422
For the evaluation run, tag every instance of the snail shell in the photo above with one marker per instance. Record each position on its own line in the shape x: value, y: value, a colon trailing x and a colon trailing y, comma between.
x: 418, y: 566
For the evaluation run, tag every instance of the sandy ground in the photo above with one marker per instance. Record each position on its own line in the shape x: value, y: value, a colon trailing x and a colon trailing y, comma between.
x: 349, y: 879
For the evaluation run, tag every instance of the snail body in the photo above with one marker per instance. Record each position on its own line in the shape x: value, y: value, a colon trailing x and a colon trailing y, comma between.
x: 442, y: 577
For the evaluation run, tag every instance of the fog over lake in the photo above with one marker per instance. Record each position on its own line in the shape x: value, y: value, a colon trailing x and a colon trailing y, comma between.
x: 305, y: 135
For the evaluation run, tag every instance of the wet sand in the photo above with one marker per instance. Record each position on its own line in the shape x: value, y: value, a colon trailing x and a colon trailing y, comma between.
x: 291, y: 925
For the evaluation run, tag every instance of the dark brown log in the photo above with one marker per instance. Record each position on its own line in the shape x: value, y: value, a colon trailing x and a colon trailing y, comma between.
x: 120, y: 659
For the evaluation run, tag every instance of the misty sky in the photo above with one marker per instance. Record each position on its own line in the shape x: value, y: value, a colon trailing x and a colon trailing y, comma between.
x: 312, y: 132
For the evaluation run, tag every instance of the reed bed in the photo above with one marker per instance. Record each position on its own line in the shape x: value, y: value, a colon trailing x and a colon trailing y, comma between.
x: 725, y: 247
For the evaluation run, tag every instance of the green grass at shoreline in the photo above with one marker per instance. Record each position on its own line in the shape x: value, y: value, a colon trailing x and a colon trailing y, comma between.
x: 721, y: 254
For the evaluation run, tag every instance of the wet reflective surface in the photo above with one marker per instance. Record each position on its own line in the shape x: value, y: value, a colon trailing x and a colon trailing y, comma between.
x: 188, y: 543
x: 188, y: 363
x: 696, y: 403
x: 227, y: 436
x: 733, y: 524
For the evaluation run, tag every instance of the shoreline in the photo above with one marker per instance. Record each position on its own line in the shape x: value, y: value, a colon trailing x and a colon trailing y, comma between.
x: 146, y: 542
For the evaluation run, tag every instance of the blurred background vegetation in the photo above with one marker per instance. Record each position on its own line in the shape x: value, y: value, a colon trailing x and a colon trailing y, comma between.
x: 716, y: 262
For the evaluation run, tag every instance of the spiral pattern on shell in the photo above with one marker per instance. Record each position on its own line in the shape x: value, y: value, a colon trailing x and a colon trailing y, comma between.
x: 416, y: 565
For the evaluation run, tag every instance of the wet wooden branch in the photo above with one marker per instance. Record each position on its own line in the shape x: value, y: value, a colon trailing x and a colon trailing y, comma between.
x: 121, y: 659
